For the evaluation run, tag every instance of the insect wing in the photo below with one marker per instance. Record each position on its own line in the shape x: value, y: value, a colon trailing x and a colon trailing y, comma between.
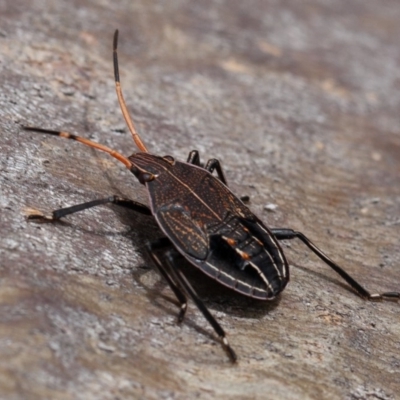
x: 183, y: 231
x: 245, y: 256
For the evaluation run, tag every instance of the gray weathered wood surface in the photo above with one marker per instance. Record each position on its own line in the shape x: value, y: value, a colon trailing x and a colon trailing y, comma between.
x: 299, y: 100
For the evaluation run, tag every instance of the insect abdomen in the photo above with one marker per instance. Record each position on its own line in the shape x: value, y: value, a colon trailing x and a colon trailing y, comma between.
x: 245, y: 256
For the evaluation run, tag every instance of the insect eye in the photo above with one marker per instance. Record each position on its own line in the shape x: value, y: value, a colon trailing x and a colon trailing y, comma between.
x: 170, y: 159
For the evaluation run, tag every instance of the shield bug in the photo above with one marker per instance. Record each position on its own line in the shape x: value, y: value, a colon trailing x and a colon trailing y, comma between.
x: 204, y: 222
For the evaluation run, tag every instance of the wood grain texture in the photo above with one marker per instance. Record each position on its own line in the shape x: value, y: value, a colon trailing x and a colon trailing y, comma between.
x: 299, y: 100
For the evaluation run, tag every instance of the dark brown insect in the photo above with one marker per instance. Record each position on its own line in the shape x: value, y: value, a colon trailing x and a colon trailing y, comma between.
x: 204, y: 222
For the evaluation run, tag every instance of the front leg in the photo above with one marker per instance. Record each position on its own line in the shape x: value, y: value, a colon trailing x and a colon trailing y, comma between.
x: 194, y: 158
x: 119, y: 201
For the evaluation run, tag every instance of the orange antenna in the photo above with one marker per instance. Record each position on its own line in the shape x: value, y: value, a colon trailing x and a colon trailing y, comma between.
x: 122, y: 104
x: 88, y: 142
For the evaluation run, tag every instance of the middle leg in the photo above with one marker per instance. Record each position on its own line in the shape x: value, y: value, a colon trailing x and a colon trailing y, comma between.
x: 152, y: 249
x: 212, y: 164
x: 181, y: 279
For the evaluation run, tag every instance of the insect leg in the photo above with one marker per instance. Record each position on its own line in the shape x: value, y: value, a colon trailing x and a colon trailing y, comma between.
x: 284, y: 234
x: 152, y: 250
x: 194, y: 158
x: 62, y: 212
x: 184, y: 283
x: 214, y: 164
